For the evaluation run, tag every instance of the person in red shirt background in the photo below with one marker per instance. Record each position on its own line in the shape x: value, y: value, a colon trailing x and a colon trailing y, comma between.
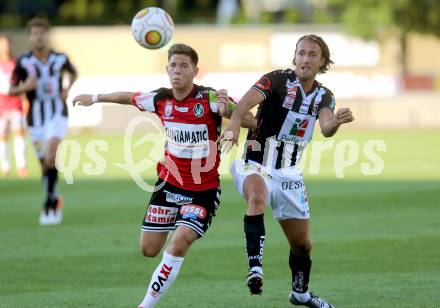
x: 11, y: 115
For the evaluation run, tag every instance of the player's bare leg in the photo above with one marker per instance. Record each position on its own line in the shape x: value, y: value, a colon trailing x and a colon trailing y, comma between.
x: 151, y: 243
x: 172, y: 260
x: 297, y: 232
x: 255, y: 193
x: 20, y: 152
x: 4, y: 155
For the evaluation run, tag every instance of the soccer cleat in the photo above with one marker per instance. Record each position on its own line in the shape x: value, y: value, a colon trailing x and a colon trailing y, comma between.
x: 44, y: 217
x: 314, y: 301
x: 254, y: 280
x: 58, y: 211
x: 52, y: 213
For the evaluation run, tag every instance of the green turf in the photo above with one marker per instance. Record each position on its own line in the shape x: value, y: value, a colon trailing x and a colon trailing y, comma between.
x: 376, y: 238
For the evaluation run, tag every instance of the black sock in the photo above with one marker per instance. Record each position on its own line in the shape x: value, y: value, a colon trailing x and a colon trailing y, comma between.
x: 44, y: 179
x: 255, y: 235
x: 45, y: 182
x: 300, y: 266
x: 52, y: 178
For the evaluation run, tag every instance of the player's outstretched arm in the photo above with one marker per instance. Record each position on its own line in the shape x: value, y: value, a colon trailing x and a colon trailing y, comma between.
x: 226, y: 108
x: 330, y: 122
x: 123, y: 98
x: 230, y: 135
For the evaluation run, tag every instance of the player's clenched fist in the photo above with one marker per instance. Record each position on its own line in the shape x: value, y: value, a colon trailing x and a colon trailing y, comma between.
x: 344, y: 115
x: 83, y: 100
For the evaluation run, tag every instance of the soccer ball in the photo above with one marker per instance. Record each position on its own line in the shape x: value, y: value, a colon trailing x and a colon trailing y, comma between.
x: 152, y: 27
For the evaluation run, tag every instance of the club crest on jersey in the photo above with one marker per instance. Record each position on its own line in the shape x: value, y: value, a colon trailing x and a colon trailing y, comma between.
x: 168, y: 110
x: 198, y: 110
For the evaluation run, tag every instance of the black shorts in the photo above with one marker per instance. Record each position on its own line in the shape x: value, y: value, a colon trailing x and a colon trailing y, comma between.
x: 171, y: 206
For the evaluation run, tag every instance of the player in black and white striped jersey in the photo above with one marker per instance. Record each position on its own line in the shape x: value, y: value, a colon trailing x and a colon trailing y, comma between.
x: 290, y: 102
x: 39, y: 74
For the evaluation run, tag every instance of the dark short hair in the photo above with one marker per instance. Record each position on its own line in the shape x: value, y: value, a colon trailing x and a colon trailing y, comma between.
x: 324, y: 50
x: 183, y: 49
x: 37, y: 22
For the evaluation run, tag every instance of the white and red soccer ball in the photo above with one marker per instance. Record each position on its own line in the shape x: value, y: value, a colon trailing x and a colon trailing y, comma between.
x: 152, y: 27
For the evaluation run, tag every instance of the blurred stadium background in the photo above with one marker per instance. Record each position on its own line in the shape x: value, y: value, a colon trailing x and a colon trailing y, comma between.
x: 376, y: 237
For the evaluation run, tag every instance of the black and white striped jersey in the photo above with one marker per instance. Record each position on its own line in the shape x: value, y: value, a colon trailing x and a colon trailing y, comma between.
x: 286, y: 119
x: 45, y: 101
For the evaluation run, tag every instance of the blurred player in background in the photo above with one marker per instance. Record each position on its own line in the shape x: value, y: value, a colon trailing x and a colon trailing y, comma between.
x: 11, y: 115
x: 39, y: 73
x: 188, y: 190
x: 289, y: 102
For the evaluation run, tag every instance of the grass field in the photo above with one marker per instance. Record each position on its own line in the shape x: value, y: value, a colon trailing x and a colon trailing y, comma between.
x: 376, y: 238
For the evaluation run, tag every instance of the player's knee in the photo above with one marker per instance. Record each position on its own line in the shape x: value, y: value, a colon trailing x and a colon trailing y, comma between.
x: 50, y: 160
x: 180, y: 247
x: 257, y: 201
x: 150, y: 251
x: 302, y: 248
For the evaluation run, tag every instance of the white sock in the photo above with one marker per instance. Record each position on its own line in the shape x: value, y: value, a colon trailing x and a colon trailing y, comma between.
x: 162, y: 278
x: 4, y: 156
x: 20, y: 151
x: 302, y: 297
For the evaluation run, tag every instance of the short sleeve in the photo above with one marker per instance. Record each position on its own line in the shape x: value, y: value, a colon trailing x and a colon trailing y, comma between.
x: 144, y: 101
x: 265, y: 84
x: 327, y: 102
x: 18, y: 74
x: 68, y: 66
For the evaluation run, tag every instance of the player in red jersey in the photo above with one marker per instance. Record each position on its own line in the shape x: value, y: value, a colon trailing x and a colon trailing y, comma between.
x: 11, y: 114
x: 188, y: 190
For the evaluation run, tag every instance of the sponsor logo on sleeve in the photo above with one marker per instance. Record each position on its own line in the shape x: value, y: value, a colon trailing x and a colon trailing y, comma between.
x: 145, y: 101
x: 263, y: 83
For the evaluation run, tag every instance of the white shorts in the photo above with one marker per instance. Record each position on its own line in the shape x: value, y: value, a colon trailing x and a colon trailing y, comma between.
x: 286, y: 192
x: 40, y: 136
x: 14, y: 119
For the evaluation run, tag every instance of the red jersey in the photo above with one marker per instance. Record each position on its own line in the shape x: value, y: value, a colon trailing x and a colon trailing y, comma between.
x: 192, y: 127
x: 7, y: 102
